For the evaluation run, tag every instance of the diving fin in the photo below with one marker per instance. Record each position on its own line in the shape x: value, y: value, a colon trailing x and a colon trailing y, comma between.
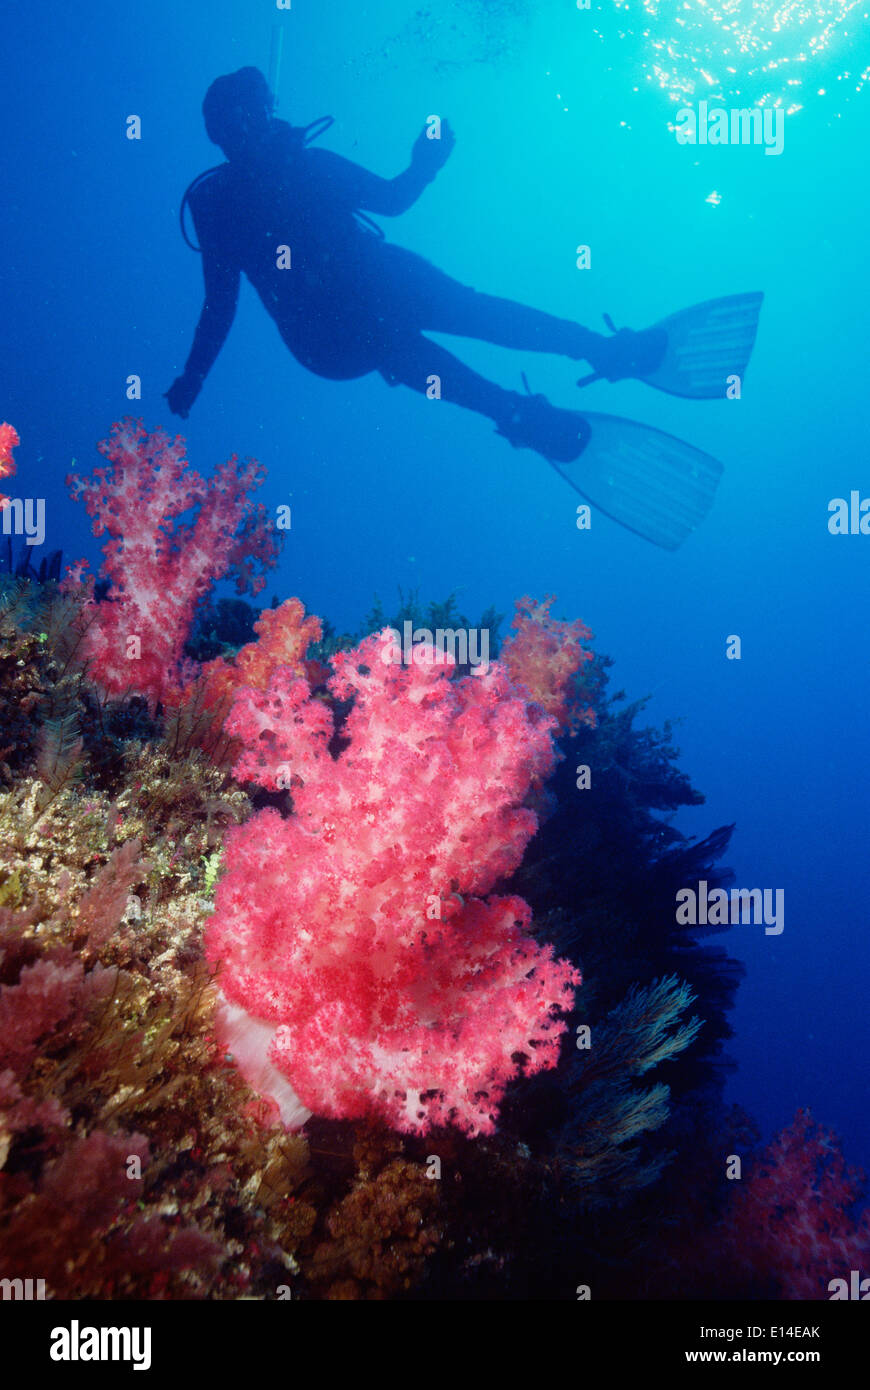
x: 706, y: 345
x: 654, y: 484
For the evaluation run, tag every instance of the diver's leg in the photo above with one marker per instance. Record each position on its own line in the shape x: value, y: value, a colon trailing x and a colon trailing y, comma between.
x: 412, y: 360
x: 526, y: 421
x: 470, y: 314
x: 465, y: 312
x: 413, y: 291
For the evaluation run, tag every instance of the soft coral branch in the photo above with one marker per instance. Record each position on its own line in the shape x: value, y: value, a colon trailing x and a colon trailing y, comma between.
x: 159, y: 565
x: 8, y: 441
x: 545, y: 658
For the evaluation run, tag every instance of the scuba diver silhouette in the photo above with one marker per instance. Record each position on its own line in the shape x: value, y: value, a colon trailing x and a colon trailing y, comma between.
x: 347, y: 302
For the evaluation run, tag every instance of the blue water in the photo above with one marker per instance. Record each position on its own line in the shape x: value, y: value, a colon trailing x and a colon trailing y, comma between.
x: 389, y: 489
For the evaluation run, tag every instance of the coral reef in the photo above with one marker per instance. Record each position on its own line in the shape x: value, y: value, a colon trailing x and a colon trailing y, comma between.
x: 102, y: 1010
x: 378, y: 885
x: 134, y: 1161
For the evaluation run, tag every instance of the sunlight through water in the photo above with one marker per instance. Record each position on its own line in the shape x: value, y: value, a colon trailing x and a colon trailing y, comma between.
x: 767, y: 52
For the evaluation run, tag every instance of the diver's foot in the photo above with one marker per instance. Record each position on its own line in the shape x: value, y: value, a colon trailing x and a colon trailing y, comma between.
x: 531, y: 422
x: 628, y: 354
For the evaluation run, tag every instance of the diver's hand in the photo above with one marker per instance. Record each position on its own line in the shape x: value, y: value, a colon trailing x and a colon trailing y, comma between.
x: 182, y: 394
x: 430, y: 155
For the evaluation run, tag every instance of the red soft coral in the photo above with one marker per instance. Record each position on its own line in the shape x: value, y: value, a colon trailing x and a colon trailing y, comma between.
x: 364, y: 972
x: 160, y: 567
x: 282, y: 731
x: 790, y: 1221
x: 543, y: 658
x: 8, y: 441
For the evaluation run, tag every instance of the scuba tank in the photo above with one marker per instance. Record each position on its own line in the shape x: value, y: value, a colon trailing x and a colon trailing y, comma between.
x: 306, y: 135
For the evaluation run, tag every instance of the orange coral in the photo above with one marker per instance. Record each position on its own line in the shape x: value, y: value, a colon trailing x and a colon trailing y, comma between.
x: 543, y: 656
x: 380, y: 1235
x: 200, y: 707
x: 284, y: 635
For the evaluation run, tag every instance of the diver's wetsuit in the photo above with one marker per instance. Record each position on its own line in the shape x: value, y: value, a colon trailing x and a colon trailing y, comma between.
x: 351, y: 303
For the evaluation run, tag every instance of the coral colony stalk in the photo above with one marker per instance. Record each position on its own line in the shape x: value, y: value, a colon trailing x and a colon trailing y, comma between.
x: 160, y: 567
x: 365, y: 971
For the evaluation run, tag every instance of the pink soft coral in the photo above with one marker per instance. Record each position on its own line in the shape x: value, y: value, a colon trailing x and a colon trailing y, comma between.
x: 8, y: 441
x: 160, y: 567
x: 365, y: 973
x: 791, y: 1219
x: 544, y: 656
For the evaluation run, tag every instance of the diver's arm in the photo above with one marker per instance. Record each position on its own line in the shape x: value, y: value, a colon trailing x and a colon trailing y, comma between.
x: 215, y: 321
x: 396, y: 195
x: 390, y: 197
x: 216, y: 318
